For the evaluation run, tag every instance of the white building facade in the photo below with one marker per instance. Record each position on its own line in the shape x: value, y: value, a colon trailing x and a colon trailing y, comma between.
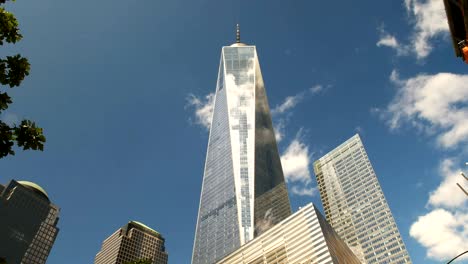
x: 303, y: 238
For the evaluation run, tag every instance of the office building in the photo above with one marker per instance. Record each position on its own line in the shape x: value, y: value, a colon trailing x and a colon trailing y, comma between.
x: 28, y: 223
x: 132, y: 242
x: 304, y: 237
x: 243, y: 191
x: 355, y: 205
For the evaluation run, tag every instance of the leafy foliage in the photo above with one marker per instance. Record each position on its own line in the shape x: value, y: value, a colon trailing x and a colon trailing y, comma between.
x: 13, y: 70
x: 2, y: 261
x: 141, y: 261
x: 9, y: 30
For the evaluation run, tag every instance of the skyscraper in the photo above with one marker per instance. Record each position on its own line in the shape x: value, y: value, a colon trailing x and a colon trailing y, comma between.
x: 243, y: 191
x: 355, y: 206
x: 304, y: 237
x: 134, y: 241
x: 28, y: 223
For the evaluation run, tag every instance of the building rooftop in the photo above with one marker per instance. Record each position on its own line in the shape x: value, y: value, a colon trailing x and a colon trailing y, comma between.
x: 35, y: 187
x: 144, y: 227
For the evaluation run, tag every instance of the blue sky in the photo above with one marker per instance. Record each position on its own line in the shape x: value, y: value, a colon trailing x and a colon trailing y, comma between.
x: 120, y: 89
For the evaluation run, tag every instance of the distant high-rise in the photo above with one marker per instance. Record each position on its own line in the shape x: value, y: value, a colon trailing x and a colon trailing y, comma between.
x: 304, y: 237
x: 243, y: 192
x: 28, y: 223
x: 355, y: 206
x: 134, y: 241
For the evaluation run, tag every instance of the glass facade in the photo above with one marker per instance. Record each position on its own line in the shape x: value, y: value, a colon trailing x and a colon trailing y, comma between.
x: 28, y: 223
x: 43, y: 241
x: 355, y: 205
x: 243, y: 191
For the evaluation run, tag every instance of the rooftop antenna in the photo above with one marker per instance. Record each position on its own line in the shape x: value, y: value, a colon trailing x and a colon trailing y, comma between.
x: 238, y: 34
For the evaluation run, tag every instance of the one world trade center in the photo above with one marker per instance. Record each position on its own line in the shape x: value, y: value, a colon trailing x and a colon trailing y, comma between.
x: 243, y: 191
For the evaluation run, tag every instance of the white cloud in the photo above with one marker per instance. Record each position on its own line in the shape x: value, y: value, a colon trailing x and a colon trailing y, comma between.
x: 289, y: 102
x: 408, y: 4
x: 281, y: 113
x: 295, y: 162
x: 395, y: 77
x: 316, y: 89
x: 279, y: 127
x: 443, y: 233
x: 437, y: 104
x: 448, y: 194
x: 444, y: 230
x: 390, y: 41
x: 203, y: 108
x: 428, y: 20
x: 303, y: 190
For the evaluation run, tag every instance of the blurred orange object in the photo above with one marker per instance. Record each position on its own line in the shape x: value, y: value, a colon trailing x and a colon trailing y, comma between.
x: 465, y: 53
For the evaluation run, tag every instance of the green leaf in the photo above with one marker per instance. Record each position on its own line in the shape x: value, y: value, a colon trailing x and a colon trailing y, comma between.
x: 28, y: 136
x: 5, y: 100
x: 6, y: 140
x: 9, y: 30
x: 13, y: 70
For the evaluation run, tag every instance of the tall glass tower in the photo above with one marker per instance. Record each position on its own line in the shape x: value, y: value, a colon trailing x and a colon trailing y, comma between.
x: 243, y: 191
x: 355, y: 205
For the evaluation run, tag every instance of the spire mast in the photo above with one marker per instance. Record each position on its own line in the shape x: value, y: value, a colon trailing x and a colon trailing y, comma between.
x: 238, y: 34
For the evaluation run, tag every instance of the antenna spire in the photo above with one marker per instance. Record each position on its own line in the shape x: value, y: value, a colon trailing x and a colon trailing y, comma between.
x: 238, y: 34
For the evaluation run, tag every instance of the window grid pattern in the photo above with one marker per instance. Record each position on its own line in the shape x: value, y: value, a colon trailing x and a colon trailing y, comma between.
x: 130, y: 244
x: 355, y: 205
x: 44, y: 239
